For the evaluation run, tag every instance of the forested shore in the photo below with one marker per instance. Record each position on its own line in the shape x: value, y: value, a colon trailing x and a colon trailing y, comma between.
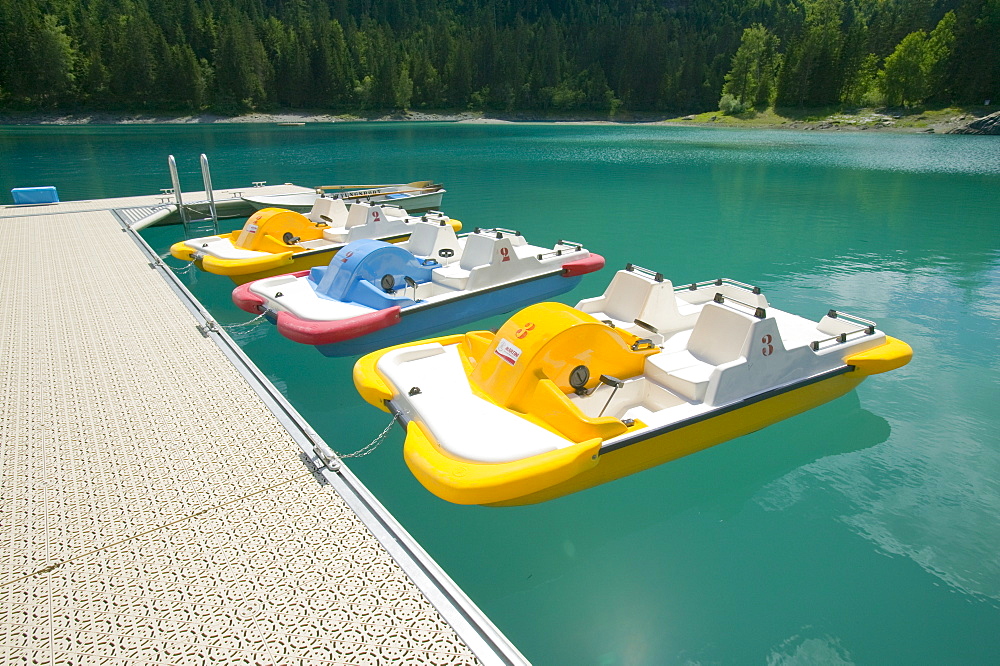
x: 584, y: 57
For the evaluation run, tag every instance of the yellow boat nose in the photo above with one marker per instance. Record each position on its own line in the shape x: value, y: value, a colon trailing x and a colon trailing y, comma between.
x: 889, y: 356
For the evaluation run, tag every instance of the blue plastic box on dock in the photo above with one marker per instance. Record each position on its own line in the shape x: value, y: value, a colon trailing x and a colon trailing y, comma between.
x: 35, y: 195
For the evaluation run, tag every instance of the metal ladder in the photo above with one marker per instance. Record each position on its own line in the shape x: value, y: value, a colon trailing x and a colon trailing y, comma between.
x: 195, y: 224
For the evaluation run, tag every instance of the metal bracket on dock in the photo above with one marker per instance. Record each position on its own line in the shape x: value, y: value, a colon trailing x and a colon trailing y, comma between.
x: 208, y: 327
x: 327, y: 456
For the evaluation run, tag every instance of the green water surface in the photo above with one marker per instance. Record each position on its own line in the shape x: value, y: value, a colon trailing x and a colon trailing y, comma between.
x: 865, y: 531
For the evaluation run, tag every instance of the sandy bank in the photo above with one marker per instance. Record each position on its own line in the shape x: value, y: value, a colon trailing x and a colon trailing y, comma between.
x: 938, y: 122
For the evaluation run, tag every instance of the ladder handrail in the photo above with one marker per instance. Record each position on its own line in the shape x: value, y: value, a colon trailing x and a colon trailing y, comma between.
x: 206, y: 178
x: 172, y: 163
x: 182, y: 209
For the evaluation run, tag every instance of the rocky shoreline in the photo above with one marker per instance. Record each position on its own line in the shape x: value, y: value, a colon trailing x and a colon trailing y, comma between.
x: 951, y: 121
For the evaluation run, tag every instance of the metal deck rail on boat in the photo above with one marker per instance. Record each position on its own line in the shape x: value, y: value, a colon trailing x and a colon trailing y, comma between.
x: 141, y: 522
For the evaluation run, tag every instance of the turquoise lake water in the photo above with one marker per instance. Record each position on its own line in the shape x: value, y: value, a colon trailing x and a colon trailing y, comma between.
x: 866, y: 531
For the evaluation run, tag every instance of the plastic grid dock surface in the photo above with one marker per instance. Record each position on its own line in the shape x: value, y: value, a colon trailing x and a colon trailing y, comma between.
x: 146, y: 200
x: 149, y: 517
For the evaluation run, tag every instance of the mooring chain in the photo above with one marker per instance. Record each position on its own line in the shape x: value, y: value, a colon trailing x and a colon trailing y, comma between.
x: 163, y: 257
x: 252, y: 322
x: 368, y: 448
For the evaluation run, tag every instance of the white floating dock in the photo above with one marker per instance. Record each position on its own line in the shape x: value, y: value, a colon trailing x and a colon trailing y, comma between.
x: 145, y: 519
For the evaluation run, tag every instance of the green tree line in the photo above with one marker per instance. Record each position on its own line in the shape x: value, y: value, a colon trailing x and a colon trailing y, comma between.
x: 560, y: 56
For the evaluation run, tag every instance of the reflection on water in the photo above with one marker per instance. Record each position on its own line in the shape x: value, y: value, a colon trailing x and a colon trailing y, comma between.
x: 931, y: 493
x: 863, y: 531
x: 800, y: 651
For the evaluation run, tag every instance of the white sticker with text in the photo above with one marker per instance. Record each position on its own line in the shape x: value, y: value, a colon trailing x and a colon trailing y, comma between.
x: 507, y: 351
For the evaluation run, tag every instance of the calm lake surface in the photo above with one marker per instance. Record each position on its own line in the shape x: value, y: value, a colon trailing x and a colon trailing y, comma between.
x: 866, y: 531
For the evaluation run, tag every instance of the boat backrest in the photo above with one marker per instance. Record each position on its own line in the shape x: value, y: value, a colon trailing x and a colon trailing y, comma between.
x: 632, y: 295
x: 430, y: 238
x: 331, y: 211
x: 662, y: 311
x: 485, y: 249
x: 721, y: 334
x: 359, y: 213
x: 625, y: 296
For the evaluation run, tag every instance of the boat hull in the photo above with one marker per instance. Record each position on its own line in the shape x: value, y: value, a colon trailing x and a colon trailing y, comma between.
x: 698, y: 436
x: 586, y: 464
x: 417, y: 322
x: 302, y: 203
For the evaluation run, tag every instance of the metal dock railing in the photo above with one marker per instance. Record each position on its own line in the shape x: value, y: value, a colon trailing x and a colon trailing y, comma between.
x: 126, y: 536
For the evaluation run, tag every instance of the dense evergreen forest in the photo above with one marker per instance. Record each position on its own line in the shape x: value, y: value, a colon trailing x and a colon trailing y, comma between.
x: 584, y: 57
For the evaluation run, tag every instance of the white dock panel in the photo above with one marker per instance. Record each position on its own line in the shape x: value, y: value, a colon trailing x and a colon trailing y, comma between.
x: 148, y: 517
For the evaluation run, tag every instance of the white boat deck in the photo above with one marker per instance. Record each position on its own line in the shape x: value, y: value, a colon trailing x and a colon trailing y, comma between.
x: 149, y: 518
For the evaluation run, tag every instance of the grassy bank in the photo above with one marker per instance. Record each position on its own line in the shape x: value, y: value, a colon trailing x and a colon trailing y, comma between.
x: 940, y: 119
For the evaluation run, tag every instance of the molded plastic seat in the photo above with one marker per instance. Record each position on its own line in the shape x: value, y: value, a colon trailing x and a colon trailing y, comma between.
x: 631, y: 296
x: 430, y: 238
x: 331, y: 211
x: 357, y: 214
x: 720, y: 337
x: 479, y: 250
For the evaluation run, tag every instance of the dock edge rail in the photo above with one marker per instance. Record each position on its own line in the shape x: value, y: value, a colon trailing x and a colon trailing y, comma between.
x: 482, y: 637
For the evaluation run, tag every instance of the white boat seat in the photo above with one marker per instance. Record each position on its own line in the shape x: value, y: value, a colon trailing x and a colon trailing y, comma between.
x: 632, y: 296
x: 335, y: 234
x: 680, y: 372
x: 330, y: 211
x: 357, y: 215
x: 622, y: 301
x: 430, y: 238
x: 452, y: 276
x: 721, y: 334
x: 720, y: 337
x: 480, y: 250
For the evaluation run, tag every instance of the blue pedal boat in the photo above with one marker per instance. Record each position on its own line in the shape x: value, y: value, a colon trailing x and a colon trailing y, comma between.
x: 374, y: 294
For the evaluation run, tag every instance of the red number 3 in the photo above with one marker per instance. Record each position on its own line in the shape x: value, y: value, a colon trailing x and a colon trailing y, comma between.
x: 768, y: 347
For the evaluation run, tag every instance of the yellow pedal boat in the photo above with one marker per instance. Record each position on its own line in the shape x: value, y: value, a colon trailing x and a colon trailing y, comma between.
x: 275, y: 241
x: 561, y: 399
